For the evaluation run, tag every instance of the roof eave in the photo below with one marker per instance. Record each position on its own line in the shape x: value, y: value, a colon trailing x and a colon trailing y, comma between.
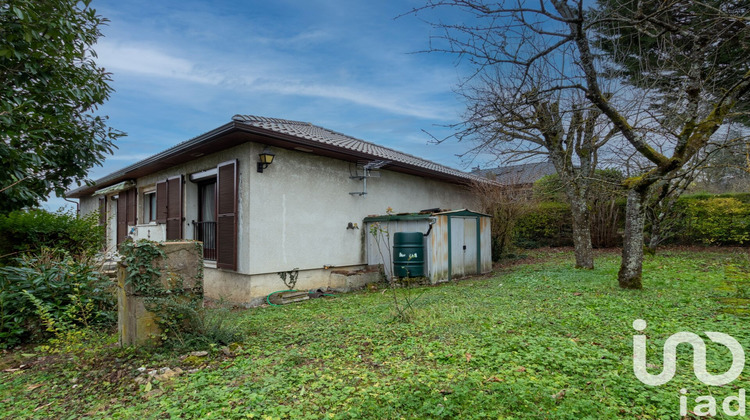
x: 122, y: 174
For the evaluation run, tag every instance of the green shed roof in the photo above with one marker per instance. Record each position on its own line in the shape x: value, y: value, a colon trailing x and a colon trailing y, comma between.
x: 422, y: 215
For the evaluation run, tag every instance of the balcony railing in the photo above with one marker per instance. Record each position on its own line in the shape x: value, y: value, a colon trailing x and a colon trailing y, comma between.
x: 206, y: 233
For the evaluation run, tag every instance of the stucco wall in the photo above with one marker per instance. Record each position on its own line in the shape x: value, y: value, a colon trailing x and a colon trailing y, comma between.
x: 301, y: 206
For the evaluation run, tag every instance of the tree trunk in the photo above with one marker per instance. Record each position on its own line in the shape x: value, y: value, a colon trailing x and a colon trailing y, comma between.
x: 631, y: 267
x: 655, y: 237
x: 582, y: 232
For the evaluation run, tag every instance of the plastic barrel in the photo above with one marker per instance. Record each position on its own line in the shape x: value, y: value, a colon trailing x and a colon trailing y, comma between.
x: 408, y: 254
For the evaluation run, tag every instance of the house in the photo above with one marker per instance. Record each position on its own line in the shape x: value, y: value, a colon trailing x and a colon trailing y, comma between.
x: 268, y: 196
x: 520, y: 176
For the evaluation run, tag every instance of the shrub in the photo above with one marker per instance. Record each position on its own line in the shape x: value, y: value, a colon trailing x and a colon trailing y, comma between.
x: 718, y: 220
x: 548, y: 225
x: 552, y: 224
x: 27, y: 232
x: 69, y: 290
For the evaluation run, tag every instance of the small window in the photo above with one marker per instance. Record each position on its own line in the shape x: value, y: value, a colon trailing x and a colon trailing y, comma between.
x: 149, y: 206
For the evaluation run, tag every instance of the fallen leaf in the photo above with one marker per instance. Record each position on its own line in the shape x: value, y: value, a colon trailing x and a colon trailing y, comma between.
x: 33, y: 387
x: 468, y: 357
x: 559, y: 395
x: 42, y: 406
x: 494, y: 379
x: 521, y: 369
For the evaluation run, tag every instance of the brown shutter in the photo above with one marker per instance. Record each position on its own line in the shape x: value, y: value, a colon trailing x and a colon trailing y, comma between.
x: 132, y: 203
x: 161, y: 202
x: 174, y: 208
x: 126, y: 209
x: 226, y: 212
x: 122, y: 217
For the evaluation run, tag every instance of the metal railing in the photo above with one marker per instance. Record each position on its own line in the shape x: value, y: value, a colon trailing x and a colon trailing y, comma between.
x: 206, y: 233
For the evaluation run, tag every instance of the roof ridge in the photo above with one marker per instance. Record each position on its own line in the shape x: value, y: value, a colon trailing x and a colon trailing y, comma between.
x: 261, y: 119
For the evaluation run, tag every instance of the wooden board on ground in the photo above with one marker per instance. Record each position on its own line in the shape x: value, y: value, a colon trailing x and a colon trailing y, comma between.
x: 288, y: 297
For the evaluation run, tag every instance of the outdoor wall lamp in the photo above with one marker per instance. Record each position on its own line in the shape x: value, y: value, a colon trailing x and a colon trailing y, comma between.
x: 266, y: 158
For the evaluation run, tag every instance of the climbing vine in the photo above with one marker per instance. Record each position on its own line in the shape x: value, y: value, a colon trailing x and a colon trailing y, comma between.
x: 291, y: 275
x: 178, y: 308
x: 141, y: 272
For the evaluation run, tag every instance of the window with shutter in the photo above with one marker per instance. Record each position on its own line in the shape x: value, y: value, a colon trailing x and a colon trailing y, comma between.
x: 174, y: 207
x: 226, y: 212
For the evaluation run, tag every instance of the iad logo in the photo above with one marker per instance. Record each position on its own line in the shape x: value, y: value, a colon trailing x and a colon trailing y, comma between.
x: 699, y: 357
x: 708, y: 406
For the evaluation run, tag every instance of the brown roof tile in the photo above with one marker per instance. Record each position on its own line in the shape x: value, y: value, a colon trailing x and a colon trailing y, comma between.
x: 323, y: 135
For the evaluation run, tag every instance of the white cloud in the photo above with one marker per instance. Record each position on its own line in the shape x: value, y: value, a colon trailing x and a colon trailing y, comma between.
x: 269, y: 71
x: 149, y: 61
x: 386, y: 101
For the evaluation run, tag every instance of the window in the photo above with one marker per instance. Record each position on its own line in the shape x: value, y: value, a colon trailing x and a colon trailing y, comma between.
x: 149, y: 206
x: 205, y: 227
x: 217, y: 217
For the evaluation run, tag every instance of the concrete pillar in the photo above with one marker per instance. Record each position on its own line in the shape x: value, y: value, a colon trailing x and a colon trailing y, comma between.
x: 181, y: 272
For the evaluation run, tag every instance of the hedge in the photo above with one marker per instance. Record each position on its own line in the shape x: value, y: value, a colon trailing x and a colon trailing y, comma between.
x: 700, y: 219
x: 29, y: 231
x: 714, y: 220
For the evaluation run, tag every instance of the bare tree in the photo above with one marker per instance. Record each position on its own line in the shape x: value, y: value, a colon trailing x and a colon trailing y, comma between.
x: 506, y: 204
x: 725, y: 165
x: 687, y: 88
x: 523, y: 112
x: 692, y: 85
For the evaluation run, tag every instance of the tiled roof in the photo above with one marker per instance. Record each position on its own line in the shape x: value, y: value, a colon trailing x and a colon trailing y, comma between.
x: 328, y: 137
x: 525, y: 173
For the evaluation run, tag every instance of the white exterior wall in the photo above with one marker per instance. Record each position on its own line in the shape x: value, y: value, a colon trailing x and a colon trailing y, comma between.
x: 90, y: 204
x: 294, y: 215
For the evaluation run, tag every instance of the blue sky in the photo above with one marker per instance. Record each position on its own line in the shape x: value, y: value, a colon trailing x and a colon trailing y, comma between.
x: 181, y: 68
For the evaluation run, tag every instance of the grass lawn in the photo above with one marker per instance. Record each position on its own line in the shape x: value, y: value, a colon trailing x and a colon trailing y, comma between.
x: 536, y: 340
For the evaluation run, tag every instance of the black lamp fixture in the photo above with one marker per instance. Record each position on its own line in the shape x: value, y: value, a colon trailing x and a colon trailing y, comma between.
x: 266, y: 158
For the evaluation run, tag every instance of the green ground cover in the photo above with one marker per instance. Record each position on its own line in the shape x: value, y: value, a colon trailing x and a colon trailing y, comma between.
x: 536, y: 340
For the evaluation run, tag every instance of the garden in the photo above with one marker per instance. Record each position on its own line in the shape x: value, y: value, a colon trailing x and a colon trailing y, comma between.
x: 535, y: 339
